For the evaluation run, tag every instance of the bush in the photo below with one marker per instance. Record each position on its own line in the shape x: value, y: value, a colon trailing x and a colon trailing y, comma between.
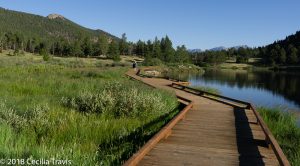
x: 152, y: 62
x: 16, y: 52
x: 46, y: 57
x: 119, y: 100
x: 35, y: 117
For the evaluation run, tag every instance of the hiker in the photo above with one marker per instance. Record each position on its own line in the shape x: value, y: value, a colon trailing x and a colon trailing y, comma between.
x: 134, y: 65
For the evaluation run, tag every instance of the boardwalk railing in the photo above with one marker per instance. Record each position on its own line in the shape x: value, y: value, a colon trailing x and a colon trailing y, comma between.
x: 270, y: 139
x: 162, y: 134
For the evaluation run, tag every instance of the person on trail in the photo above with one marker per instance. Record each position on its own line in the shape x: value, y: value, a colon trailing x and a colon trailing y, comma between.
x: 134, y: 65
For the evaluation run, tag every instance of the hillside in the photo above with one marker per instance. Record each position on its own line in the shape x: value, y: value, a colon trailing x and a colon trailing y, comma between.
x: 283, y: 52
x: 30, y: 25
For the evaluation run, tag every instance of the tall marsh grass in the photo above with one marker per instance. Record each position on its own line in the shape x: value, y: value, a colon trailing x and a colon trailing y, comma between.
x: 284, y: 128
x: 77, y: 113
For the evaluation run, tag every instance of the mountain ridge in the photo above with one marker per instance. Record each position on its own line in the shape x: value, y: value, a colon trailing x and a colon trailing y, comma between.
x: 53, y: 26
x: 220, y: 48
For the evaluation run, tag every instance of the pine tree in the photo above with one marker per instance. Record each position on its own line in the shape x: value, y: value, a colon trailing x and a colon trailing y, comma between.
x: 292, y: 54
x: 140, y: 48
x: 156, y: 49
x: 123, y: 45
x: 282, y: 56
x: 167, y: 50
x: 182, y: 54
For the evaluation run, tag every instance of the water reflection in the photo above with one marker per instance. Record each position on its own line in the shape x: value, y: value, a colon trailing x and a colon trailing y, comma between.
x: 263, y: 88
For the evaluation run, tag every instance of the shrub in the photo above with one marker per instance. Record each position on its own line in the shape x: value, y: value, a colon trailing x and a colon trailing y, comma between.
x: 16, y: 52
x: 46, y: 57
x: 152, y: 62
x: 119, y: 101
x: 35, y: 117
x: 10, y: 117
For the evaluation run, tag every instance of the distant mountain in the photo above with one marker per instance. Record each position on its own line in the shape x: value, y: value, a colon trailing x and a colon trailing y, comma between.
x: 194, y: 50
x: 241, y: 46
x: 221, y: 48
x: 52, y: 27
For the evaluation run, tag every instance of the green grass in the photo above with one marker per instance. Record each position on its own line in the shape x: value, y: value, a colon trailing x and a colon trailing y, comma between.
x: 77, y: 113
x: 9, y: 58
x: 207, y: 89
x: 285, y: 130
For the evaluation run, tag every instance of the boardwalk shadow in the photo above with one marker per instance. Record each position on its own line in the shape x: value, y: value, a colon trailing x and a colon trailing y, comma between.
x: 247, y: 145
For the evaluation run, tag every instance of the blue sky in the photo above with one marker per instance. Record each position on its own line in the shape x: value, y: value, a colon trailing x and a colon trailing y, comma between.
x: 197, y: 24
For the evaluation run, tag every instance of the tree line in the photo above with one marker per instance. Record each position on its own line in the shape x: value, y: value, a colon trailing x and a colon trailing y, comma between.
x: 83, y: 47
x: 282, y: 52
x: 86, y: 47
x: 161, y: 50
x: 216, y: 57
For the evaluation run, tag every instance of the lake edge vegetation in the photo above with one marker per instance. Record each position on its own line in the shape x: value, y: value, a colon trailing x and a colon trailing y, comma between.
x: 284, y: 127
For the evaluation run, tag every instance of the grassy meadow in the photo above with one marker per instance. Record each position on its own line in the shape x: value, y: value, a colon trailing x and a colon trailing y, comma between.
x: 77, y: 109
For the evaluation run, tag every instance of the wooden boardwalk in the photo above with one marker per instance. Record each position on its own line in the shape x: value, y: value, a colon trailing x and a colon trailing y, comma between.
x: 212, y: 133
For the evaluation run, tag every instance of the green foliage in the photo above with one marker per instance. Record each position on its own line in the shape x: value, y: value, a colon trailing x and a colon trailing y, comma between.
x: 162, y: 50
x: 123, y: 45
x: 87, y: 47
x: 113, y: 51
x: 182, y: 55
x: 103, y: 45
x: 46, y: 57
x: 293, y: 57
x: 58, y: 36
x: 152, y: 62
x: 208, y: 58
x: 119, y: 100
x: 42, y: 27
x: 284, y: 127
x: 241, y: 59
x: 282, y: 52
x: 44, y: 53
x: 167, y: 50
x: 37, y: 120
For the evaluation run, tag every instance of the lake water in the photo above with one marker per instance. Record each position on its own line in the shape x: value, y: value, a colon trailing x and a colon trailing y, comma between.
x: 262, y: 88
